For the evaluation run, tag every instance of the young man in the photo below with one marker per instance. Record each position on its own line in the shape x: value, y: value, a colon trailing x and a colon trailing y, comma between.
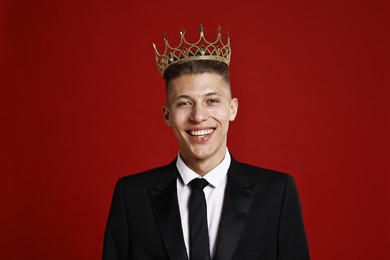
x: 204, y: 205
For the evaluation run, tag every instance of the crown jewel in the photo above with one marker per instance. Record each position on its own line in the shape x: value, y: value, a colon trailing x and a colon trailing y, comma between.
x: 199, y: 50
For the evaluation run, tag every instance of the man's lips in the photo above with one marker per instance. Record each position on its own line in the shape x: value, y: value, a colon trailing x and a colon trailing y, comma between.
x: 201, y: 133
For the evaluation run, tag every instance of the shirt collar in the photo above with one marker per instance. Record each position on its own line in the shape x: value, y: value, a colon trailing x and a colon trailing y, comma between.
x: 214, y: 177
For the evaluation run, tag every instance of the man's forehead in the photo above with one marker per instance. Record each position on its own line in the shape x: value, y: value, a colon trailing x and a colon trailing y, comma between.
x: 189, y: 91
x: 198, y: 85
x: 204, y: 76
x: 199, y: 80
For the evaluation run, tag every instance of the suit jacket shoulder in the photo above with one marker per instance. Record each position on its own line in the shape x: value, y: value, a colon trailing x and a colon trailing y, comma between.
x: 148, y: 179
x: 132, y: 230
x: 256, y: 173
x: 273, y: 225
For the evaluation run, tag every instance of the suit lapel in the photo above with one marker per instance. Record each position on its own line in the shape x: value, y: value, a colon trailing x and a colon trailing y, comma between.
x: 237, y: 203
x: 167, y: 214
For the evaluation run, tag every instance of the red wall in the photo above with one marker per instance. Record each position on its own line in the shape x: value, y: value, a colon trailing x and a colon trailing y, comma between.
x: 81, y: 106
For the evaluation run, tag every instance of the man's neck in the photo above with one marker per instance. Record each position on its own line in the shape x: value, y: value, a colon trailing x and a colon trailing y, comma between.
x: 203, y: 166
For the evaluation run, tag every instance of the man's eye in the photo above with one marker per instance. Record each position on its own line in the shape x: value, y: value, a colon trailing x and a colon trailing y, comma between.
x: 213, y: 100
x: 184, y: 103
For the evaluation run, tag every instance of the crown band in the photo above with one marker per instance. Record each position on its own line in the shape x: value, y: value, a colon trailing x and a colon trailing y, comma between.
x: 186, y: 51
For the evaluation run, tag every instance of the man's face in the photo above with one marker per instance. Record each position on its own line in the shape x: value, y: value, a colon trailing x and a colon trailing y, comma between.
x: 199, y: 108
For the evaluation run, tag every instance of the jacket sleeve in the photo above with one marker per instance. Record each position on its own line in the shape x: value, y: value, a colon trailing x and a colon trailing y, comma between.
x: 292, y: 237
x: 116, y: 238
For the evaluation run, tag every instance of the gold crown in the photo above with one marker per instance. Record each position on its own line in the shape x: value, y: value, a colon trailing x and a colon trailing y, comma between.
x: 200, y: 50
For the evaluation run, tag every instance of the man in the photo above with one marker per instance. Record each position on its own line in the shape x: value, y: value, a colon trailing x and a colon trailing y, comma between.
x: 204, y: 205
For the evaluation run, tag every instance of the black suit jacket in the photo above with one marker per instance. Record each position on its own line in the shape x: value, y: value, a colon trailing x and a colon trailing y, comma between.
x: 261, y: 217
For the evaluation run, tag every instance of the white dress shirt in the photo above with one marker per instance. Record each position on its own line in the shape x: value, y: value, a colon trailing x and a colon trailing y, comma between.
x: 214, y: 194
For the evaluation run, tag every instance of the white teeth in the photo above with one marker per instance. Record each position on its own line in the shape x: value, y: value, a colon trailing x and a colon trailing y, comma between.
x: 201, y: 132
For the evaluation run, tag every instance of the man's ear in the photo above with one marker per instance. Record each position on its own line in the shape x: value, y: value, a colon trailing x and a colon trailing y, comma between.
x: 166, y: 115
x: 233, y: 109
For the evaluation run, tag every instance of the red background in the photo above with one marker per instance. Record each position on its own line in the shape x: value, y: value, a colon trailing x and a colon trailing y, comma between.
x: 81, y: 106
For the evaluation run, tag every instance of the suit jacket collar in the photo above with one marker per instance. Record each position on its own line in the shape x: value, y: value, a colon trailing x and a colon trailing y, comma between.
x: 167, y: 214
x: 237, y: 203
x: 238, y: 199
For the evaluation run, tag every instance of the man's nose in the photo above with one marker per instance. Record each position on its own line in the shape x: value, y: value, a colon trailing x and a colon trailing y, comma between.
x: 199, y: 113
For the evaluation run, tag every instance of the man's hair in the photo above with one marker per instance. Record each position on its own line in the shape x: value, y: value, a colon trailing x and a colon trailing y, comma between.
x: 196, y: 67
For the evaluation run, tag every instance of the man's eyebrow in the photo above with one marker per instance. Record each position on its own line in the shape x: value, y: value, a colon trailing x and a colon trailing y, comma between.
x: 206, y: 95
x: 182, y: 96
x: 212, y: 94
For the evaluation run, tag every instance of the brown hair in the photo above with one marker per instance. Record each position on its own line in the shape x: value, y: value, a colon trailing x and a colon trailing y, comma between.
x: 196, y: 67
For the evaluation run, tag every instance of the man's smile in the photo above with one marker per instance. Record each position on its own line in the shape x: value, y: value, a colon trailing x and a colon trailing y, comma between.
x: 200, y: 133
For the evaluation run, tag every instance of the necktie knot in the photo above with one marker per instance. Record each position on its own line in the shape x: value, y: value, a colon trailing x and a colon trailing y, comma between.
x: 198, y: 184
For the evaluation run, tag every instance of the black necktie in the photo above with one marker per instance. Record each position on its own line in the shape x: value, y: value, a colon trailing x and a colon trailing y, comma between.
x: 199, y: 233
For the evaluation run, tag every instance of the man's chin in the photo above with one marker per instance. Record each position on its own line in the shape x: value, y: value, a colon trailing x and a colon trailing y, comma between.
x: 196, y: 154
x: 201, y: 153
